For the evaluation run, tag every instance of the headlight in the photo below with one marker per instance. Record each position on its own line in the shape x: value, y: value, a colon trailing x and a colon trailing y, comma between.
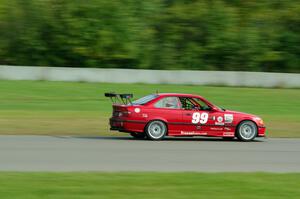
x: 259, y: 121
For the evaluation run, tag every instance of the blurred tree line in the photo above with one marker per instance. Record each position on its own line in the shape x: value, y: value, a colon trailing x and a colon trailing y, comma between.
x: 238, y: 35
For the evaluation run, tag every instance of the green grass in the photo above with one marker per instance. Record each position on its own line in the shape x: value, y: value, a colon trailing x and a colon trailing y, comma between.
x: 61, y: 108
x: 149, y: 185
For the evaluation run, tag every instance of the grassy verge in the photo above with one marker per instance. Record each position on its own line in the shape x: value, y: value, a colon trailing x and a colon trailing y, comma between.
x: 61, y: 108
x: 149, y: 185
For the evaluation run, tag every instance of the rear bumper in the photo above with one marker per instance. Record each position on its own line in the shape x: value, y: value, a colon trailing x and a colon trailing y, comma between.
x: 116, y: 124
x: 114, y: 128
x: 122, y: 125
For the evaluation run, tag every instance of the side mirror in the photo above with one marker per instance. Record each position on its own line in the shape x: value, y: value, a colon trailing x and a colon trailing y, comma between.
x: 213, y: 109
x: 206, y: 108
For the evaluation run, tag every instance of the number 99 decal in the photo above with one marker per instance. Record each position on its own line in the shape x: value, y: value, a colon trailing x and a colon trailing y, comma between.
x: 198, y: 117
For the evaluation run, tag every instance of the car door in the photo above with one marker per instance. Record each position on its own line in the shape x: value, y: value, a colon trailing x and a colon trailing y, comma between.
x: 199, y: 119
x: 195, y: 122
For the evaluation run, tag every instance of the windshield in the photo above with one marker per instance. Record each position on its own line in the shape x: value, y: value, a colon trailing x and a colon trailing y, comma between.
x: 144, y: 100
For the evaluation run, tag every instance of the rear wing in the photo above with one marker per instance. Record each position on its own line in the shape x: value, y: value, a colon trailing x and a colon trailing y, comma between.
x: 119, y: 98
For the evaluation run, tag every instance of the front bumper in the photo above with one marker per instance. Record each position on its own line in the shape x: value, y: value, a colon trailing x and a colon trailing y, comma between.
x: 261, y: 131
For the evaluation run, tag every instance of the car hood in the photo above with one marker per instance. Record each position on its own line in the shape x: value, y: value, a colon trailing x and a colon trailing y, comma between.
x: 239, y: 113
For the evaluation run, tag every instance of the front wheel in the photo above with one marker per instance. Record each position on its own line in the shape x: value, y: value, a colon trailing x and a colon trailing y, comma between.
x: 246, y: 131
x: 156, y: 130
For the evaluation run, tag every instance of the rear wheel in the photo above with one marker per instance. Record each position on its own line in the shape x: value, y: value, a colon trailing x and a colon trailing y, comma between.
x: 246, y: 131
x: 138, y: 135
x: 156, y: 130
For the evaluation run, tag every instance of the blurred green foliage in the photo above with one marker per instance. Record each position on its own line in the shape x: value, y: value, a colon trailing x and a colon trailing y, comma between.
x: 158, y: 34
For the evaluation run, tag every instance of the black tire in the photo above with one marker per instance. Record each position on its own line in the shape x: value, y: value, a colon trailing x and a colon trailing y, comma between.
x: 138, y: 135
x: 156, y: 130
x: 246, y: 131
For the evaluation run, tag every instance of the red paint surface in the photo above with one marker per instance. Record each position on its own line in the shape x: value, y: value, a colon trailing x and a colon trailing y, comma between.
x: 179, y: 121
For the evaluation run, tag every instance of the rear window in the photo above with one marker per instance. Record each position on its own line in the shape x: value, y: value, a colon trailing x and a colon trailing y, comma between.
x: 168, y: 102
x: 145, y: 99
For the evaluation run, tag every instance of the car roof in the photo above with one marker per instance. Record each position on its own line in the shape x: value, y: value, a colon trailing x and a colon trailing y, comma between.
x: 177, y: 95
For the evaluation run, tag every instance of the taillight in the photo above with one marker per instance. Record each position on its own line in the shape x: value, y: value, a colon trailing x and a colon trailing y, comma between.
x: 121, y: 113
x: 125, y: 113
x: 116, y: 114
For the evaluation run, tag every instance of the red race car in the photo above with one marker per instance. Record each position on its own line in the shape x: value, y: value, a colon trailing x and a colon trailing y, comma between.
x: 174, y: 114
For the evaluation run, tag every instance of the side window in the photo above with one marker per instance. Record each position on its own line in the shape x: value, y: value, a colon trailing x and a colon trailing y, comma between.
x: 168, y: 102
x: 193, y: 104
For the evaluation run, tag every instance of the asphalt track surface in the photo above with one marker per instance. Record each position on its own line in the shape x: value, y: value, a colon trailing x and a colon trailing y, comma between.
x: 48, y: 153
